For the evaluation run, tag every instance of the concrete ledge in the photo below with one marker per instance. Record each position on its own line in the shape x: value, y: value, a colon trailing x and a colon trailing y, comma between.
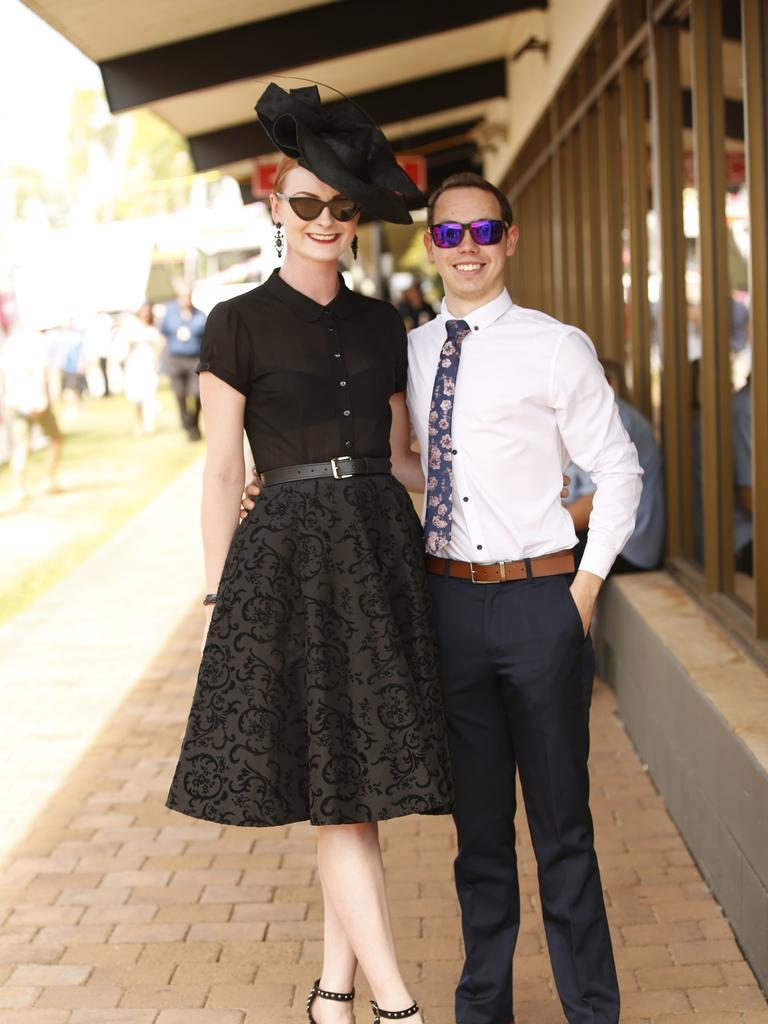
x: 696, y: 708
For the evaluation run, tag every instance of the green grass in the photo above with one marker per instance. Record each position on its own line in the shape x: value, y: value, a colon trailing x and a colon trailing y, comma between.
x: 107, y: 475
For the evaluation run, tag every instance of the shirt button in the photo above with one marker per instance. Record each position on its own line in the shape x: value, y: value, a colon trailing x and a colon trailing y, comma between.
x: 347, y: 444
x: 337, y: 355
x: 479, y: 547
x: 454, y: 451
x: 466, y: 499
x: 476, y: 328
x: 330, y: 328
x: 342, y: 383
x: 346, y: 412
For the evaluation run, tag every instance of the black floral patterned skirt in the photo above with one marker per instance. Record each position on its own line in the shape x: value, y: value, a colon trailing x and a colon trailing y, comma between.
x: 318, y: 696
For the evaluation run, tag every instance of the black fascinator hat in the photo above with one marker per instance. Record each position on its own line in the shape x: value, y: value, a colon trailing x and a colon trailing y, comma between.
x: 340, y: 144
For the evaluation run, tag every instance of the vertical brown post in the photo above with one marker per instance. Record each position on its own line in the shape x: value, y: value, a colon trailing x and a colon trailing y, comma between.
x: 609, y: 288
x: 559, y: 232
x: 636, y: 155
x: 667, y: 130
x: 574, y: 241
x: 547, y: 253
x: 716, y: 389
x: 590, y: 230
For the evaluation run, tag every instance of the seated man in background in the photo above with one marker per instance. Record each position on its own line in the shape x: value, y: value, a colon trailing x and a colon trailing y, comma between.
x: 741, y: 445
x: 644, y: 549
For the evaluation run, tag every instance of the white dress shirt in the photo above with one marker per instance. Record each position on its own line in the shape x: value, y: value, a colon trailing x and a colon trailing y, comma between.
x: 531, y: 397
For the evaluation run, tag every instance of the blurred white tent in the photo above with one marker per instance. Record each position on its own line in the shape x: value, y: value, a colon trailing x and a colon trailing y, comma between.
x: 64, y: 274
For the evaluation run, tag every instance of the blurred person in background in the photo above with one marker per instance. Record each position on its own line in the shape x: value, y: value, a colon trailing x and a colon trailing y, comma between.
x: 142, y: 343
x: 99, y: 333
x: 741, y: 448
x: 644, y: 549
x: 414, y: 308
x: 183, y: 327
x: 25, y: 396
x: 67, y: 352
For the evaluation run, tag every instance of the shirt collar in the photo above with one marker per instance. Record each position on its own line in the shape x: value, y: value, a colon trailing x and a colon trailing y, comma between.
x: 342, y: 303
x: 483, y: 316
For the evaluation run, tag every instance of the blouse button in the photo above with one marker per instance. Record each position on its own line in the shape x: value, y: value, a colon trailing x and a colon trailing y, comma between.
x: 346, y: 412
x: 337, y: 355
x: 329, y: 327
x: 342, y: 383
x: 347, y: 444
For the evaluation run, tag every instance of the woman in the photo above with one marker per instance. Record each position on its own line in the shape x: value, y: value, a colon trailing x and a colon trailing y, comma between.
x: 142, y: 342
x: 318, y: 696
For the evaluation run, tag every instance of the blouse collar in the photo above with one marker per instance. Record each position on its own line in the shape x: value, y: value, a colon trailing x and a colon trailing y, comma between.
x: 342, y: 304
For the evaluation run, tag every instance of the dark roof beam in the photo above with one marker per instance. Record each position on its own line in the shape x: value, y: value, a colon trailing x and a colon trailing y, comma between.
x: 262, y: 48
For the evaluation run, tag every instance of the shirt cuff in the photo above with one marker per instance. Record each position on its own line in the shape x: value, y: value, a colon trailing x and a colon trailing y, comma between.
x: 597, y: 559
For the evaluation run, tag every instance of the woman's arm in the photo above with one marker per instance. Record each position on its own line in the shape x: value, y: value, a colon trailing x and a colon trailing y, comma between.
x: 224, y: 473
x: 406, y: 464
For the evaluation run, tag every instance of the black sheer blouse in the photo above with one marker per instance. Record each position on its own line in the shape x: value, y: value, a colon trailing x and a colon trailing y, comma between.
x: 317, y: 379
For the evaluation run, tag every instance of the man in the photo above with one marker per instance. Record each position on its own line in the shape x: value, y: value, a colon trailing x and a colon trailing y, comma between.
x: 643, y: 550
x: 25, y: 393
x: 183, y: 327
x: 498, y: 397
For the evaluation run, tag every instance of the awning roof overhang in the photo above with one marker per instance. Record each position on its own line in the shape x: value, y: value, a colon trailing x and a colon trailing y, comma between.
x: 429, y: 74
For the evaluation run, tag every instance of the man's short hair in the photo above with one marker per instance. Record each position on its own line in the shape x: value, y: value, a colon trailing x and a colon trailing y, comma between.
x: 468, y: 179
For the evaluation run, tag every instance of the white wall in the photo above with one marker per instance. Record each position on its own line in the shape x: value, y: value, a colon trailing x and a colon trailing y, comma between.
x: 533, y: 80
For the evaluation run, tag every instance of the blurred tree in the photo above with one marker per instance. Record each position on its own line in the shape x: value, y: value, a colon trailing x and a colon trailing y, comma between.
x: 134, y: 165
x: 157, y: 168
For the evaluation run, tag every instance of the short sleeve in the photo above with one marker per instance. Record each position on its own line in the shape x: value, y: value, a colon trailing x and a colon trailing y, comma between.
x: 224, y: 350
x: 400, y: 342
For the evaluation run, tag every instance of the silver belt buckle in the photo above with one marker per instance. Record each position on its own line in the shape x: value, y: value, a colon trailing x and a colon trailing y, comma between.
x: 337, y: 474
x: 502, y: 573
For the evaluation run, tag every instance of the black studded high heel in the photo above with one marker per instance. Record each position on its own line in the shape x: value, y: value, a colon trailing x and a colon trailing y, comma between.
x: 318, y: 993
x: 379, y: 1014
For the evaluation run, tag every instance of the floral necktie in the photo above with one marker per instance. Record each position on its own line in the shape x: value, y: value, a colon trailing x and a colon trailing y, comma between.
x: 437, y: 520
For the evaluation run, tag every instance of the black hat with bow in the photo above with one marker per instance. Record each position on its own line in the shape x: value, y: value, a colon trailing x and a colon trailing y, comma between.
x: 340, y: 144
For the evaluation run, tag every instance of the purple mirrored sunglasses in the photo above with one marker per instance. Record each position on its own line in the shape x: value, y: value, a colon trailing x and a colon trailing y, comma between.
x: 483, y: 232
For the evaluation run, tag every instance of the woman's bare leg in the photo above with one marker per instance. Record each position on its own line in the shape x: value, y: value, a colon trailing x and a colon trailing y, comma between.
x: 352, y: 873
x: 339, y: 967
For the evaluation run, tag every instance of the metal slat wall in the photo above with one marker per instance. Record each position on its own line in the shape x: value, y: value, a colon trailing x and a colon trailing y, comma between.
x: 583, y: 176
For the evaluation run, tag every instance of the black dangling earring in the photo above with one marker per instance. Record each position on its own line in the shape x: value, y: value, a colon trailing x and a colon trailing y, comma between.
x: 279, y: 239
x: 354, y: 247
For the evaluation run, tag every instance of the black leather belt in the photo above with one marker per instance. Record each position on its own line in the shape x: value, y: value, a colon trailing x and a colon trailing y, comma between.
x: 340, y: 468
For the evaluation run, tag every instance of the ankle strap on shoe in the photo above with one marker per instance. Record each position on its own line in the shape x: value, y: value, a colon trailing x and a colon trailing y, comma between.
x: 340, y: 997
x: 378, y: 1013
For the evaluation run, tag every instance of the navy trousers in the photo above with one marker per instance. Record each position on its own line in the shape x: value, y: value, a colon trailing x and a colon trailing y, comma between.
x: 517, y: 675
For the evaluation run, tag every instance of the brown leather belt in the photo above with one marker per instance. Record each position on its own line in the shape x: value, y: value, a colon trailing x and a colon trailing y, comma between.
x: 559, y: 563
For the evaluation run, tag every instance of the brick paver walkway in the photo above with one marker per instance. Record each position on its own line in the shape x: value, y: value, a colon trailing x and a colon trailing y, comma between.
x: 114, y: 909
